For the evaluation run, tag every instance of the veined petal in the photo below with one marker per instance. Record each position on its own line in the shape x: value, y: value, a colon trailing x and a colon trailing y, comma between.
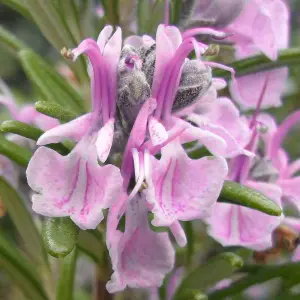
x: 140, y: 257
x: 104, y: 36
x: 250, y: 87
x: 158, y: 132
x: 105, y: 140
x: 72, y: 186
x: 233, y: 225
x: 181, y: 188
x: 74, y: 130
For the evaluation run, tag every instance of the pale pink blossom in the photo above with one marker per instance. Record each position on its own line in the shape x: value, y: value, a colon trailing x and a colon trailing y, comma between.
x: 82, y: 187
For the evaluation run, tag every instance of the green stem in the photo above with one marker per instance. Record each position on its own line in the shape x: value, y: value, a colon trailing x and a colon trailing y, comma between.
x: 188, y: 226
x: 257, y: 63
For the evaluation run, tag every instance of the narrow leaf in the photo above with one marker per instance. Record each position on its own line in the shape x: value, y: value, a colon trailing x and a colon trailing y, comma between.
x: 30, y: 132
x: 21, y: 271
x: 263, y: 274
x: 14, y: 152
x: 238, y: 194
x: 55, y: 111
x: 66, y: 278
x: 53, y: 87
x: 60, y: 236
x: 23, y: 221
x: 254, y: 64
x: 90, y: 242
x: 18, y: 6
x: 209, y: 274
x: 10, y: 41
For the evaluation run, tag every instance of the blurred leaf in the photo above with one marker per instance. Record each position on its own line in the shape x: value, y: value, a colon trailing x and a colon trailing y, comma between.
x: 14, y: 152
x: 66, y: 278
x: 238, y: 194
x: 143, y: 9
x: 209, y: 274
x: 19, y: 6
x: 59, y: 235
x: 30, y: 132
x: 21, y: 271
x: 112, y: 10
x: 257, y: 63
x: 55, y: 111
x: 69, y: 15
x: 23, y: 221
x: 91, y: 243
x: 10, y: 41
x: 263, y: 273
x: 51, y: 84
x: 176, y: 7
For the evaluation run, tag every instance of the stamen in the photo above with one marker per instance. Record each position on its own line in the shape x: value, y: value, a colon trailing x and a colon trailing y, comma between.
x: 136, y: 162
x: 204, y: 31
x: 67, y: 53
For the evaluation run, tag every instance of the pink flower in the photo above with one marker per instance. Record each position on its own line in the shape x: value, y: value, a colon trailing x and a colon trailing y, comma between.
x: 236, y: 225
x: 26, y: 113
x: 140, y: 256
x: 76, y: 185
x: 263, y: 26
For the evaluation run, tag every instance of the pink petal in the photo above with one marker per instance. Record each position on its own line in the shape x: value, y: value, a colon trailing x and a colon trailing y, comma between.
x: 250, y: 87
x: 167, y: 41
x: 264, y: 36
x: 104, y: 36
x: 214, y: 143
x: 180, y: 188
x: 140, y: 257
x: 72, y: 186
x: 291, y: 190
x: 105, y: 140
x: 74, y: 130
x: 157, y: 132
x: 233, y: 225
x: 226, y: 122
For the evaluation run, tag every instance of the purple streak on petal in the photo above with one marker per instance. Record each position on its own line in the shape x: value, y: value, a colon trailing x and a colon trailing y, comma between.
x: 259, y: 103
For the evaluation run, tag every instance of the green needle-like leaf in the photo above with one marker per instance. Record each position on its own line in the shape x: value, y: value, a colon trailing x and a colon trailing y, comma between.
x: 21, y: 271
x: 263, y: 273
x: 55, y: 111
x: 18, y: 6
x: 16, y: 153
x: 66, y: 277
x: 10, y: 41
x: 254, y: 64
x: 53, y: 87
x: 30, y: 132
x: 235, y: 193
x: 22, y: 219
x: 90, y: 242
x: 60, y: 236
x: 208, y: 274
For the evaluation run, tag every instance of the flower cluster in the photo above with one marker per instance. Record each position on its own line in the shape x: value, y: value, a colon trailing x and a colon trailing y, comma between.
x: 150, y: 97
